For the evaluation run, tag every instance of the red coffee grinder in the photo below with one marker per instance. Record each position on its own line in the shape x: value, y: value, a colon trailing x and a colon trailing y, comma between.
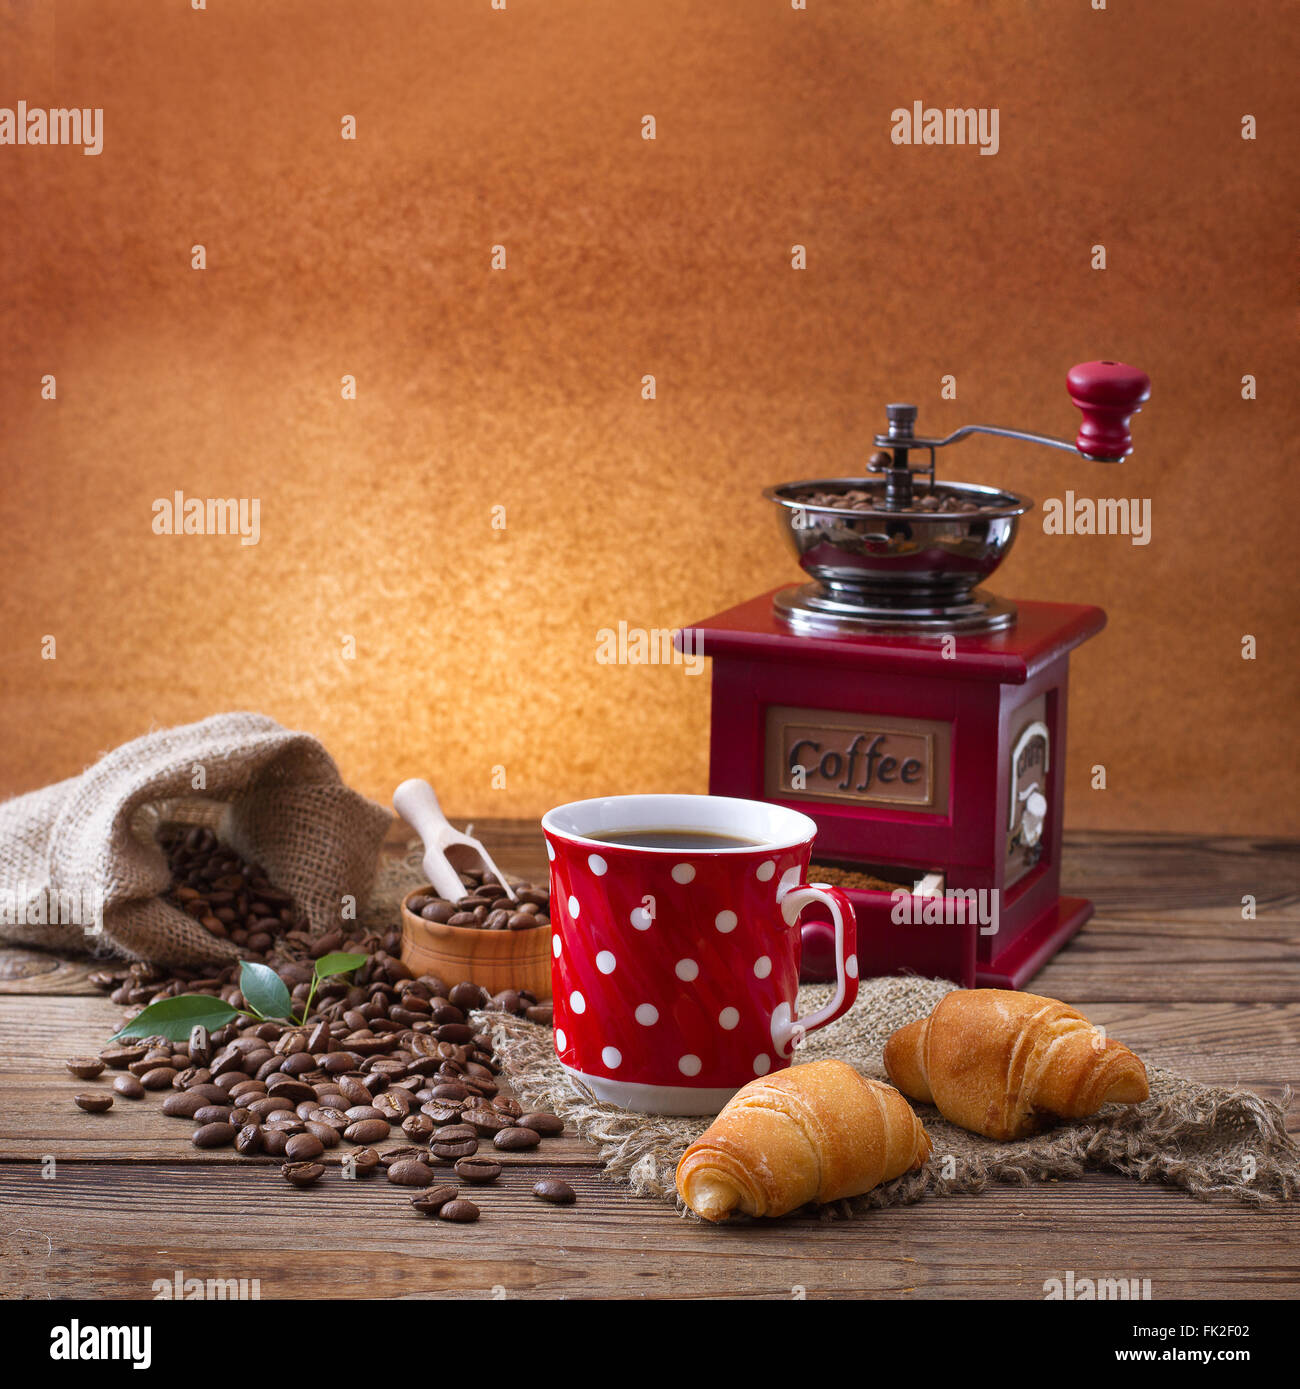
x: 918, y: 719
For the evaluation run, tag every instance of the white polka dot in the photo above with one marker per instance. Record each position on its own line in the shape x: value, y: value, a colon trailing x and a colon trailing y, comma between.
x: 689, y: 1065
x: 780, y: 1025
x: 612, y: 1057
x: 573, y: 907
x: 561, y: 1041
x: 762, y: 1064
x: 683, y: 873
x: 687, y: 970
x: 762, y: 967
x: 765, y: 870
x: 577, y: 1002
x: 550, y: 851
x: 646, y: 1014
x: 729, y: 1018
x: 556, y: 946
x: 725, y: 921
x: 597, y: 865
x: 641, y: 918
x: 605, y: 962
x: 851, y: 966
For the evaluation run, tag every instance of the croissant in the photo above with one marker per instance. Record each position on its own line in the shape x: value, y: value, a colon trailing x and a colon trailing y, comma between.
x: 999, y: 1062
x: 815, y: 1132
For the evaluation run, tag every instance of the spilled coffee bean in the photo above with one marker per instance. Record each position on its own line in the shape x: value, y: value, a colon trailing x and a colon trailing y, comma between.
x: 557, y: 1192
x: 478, y: 1169
x: 85, y: 1067
x: 461, y: 1212
x: 432, y: 1201
x: 302, y: 1173
x: 93, y: 1104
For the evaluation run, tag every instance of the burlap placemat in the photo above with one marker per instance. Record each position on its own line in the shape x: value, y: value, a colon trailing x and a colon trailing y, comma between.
x: 1206, y: 1139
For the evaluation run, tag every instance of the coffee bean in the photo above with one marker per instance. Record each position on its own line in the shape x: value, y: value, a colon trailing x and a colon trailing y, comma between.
x: 85, y: 1067
x: 216, y: 1135
x: 364, y: 1111
x: 432, y: 1201
x: 522, y: 921
x: 451, y: 1149
x: 319, y: 1038
x: 394, y: 1104
x: 303, y: 1147
x: 212, y: 1114
x: 354, y: 1091
x: 210, y: 1094
x: 453, y: 1133
x: 182, y: 1104
x: 516, y: 1140
x: 540, y: 1012
x: 440, y: 1112
x: 336, y: 1118
x: 129, y: 1087
x: 274, y: 1142
x: 552, y: 1189
x: 302, y: 1173
x: 362, y: 1161
x: 548, y: 1125
x: 460, y: 1212
x: 119, y: 1058
x: 287, y: 1088
x: 158, y: 1078
x: 466, y: 996
x: 268, y: 1104
x: 328, y: 1136
x: 410, y: 1172
x: 503, y: 1104
x: 417, y: 1126
x: 478, y: 1169
x: 94, y: 1104
x: 366, y: 1131
x: 249, y: 1139
x: 487, y: 1121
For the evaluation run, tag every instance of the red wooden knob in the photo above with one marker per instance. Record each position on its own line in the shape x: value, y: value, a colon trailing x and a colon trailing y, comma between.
x: 1107, y: 393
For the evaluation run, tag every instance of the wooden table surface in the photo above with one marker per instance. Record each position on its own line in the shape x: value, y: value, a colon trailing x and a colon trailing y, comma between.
x: 101, y: 1206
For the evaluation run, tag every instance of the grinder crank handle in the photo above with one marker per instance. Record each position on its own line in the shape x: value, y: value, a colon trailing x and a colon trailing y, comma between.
x: 1108, y: 394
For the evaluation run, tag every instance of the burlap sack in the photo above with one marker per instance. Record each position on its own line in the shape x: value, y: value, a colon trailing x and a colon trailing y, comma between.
x: 80, y: 870
x: 1204, y: 1138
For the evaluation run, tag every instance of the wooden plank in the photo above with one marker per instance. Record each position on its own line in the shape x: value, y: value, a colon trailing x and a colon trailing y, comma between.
x: 1229, y: 1044
x: 100, y: 1232
x: 24, y: 971
x: 1176, y: 958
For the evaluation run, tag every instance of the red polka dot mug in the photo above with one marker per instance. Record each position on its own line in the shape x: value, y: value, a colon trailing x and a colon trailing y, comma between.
x: 675, y: 969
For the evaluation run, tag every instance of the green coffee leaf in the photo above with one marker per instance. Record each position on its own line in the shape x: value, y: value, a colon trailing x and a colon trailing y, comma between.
x: 175, y: 1018
x: 340, y: 962
x: 264, y: 991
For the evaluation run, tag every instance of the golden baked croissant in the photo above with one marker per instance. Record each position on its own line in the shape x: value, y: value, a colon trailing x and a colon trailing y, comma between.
x: 998, y: 1062
x: 816, y: 1132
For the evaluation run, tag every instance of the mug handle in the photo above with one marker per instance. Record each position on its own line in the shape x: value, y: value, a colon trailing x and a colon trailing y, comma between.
x: 793, y: 901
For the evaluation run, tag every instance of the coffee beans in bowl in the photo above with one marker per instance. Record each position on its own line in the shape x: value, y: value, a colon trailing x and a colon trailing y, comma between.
x: 484, y: 938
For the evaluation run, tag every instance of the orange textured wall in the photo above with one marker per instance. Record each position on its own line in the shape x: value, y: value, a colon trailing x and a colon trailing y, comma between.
x: 521, y: 388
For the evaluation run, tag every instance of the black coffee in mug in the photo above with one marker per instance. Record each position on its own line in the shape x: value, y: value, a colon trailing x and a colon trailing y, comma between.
x: 673, y: 839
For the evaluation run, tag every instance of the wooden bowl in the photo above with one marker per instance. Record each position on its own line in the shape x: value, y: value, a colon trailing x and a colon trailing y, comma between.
x: 495, y: 959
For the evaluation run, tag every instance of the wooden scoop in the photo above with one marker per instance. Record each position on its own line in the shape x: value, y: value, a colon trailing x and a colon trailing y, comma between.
x: 447, y: 852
